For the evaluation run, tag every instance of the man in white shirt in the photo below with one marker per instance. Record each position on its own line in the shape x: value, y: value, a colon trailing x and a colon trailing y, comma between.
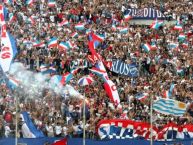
x: 58, y: 130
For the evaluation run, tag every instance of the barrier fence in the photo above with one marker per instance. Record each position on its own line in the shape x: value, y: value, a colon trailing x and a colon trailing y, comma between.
x: 78, y: 141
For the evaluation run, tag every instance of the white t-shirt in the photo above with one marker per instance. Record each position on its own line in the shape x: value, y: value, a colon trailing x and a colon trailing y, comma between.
x: 65, y: 129
x: 58, y: 129
x: 50, y: 129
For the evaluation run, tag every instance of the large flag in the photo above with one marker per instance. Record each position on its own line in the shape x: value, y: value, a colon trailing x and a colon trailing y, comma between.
x: 112, y: 92
x: 3, y: 14
x: 8, y: 50
x: 29, y: 130
x: 170, y: 107
x: 109, y: 86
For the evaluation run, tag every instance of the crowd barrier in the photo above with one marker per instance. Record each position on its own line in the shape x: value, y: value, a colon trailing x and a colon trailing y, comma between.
x: 78, y: 141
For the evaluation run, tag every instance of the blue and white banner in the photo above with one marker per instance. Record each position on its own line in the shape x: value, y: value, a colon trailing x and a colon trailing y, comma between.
x: 122, y: 68
x: 29, y: 130
x: 145, y: 13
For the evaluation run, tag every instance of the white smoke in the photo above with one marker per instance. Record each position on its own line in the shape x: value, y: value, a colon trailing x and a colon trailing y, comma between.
x: 33, y: 84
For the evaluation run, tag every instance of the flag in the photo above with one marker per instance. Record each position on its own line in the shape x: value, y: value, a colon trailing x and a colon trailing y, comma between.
x: 153, y: 46
x: 61, y: 142
x: 69, y: 44
x: 51, y: 3
x: 8, y: 50
x: 28, y: 128
x: 3, y: 14
x: 172, y: 86
x: 99, y: 73
x: 181, y: 37
x: 156, y: 24
x: 53, y: 42
x: 114, y: 28
x: 66, y: 78
x: 63, y: 46
x: 147, y: 47
x: 123, y: 30
x: 170, y: 107
x: 178, y: 26
x: 46, y: 69
x: 141, y: 96
x: 98, y: 37
x: 37, y: 43
x: 74, y: 35
x: 112, y: 92
x: 11, y: 17
x: 8, y: 2
x: 12, y: 83
x: 31, y: 20
x: 127, y: 17
x: 180, y: 71
x: 29, y: 2
x: 64, y: 22
x: 79, y: 26
x: 185, y: 44
x: 173, y: 45
x: 167, y: 94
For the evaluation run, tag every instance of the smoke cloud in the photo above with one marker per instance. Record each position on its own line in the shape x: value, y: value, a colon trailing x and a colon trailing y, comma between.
x: 33, y: 84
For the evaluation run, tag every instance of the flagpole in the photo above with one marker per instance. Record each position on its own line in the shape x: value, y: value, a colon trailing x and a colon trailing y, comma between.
x: 16, y: 119
x: 151, y: 120
x: 84, y: 121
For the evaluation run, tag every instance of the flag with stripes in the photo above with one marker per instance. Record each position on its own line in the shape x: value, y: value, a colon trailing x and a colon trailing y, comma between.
x: 170, y: 107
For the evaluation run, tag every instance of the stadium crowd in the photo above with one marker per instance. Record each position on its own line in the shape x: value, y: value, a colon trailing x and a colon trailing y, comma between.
x: 58, y: 115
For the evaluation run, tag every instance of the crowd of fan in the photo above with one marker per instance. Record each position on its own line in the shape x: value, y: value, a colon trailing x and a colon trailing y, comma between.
x: 61, y: 116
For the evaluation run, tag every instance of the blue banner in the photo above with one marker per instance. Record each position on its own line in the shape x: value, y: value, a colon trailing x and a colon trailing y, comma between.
x: 122, y: 68
x: 145, y: 13
x: 78, y: 141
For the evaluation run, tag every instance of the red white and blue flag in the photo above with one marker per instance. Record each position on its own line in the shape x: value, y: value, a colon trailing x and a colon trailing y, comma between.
x: 53, y: 42
x: 123, y: 30
x: 74, y: 35
x: 66, y: 78
x: 147, y: 47
x: 181, y: 37
x: 127, y: 17
x: 8, y: 49
x: 97, y: 37
x: 29, y: 2
x: 12, y: 83
x: 141, y: 96
x: 63, y: 46
x: 178, y: 26
x: 166, y: 94
x: 185, y: 44
x: 64, y: 22
x: 156, y: 24
x: 51, y: 3
x: 11, y: 17
x: 79, y: 26
x: 31, y: 20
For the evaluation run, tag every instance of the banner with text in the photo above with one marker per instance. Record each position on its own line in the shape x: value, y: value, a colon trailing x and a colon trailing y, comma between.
x: 145, y: 13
